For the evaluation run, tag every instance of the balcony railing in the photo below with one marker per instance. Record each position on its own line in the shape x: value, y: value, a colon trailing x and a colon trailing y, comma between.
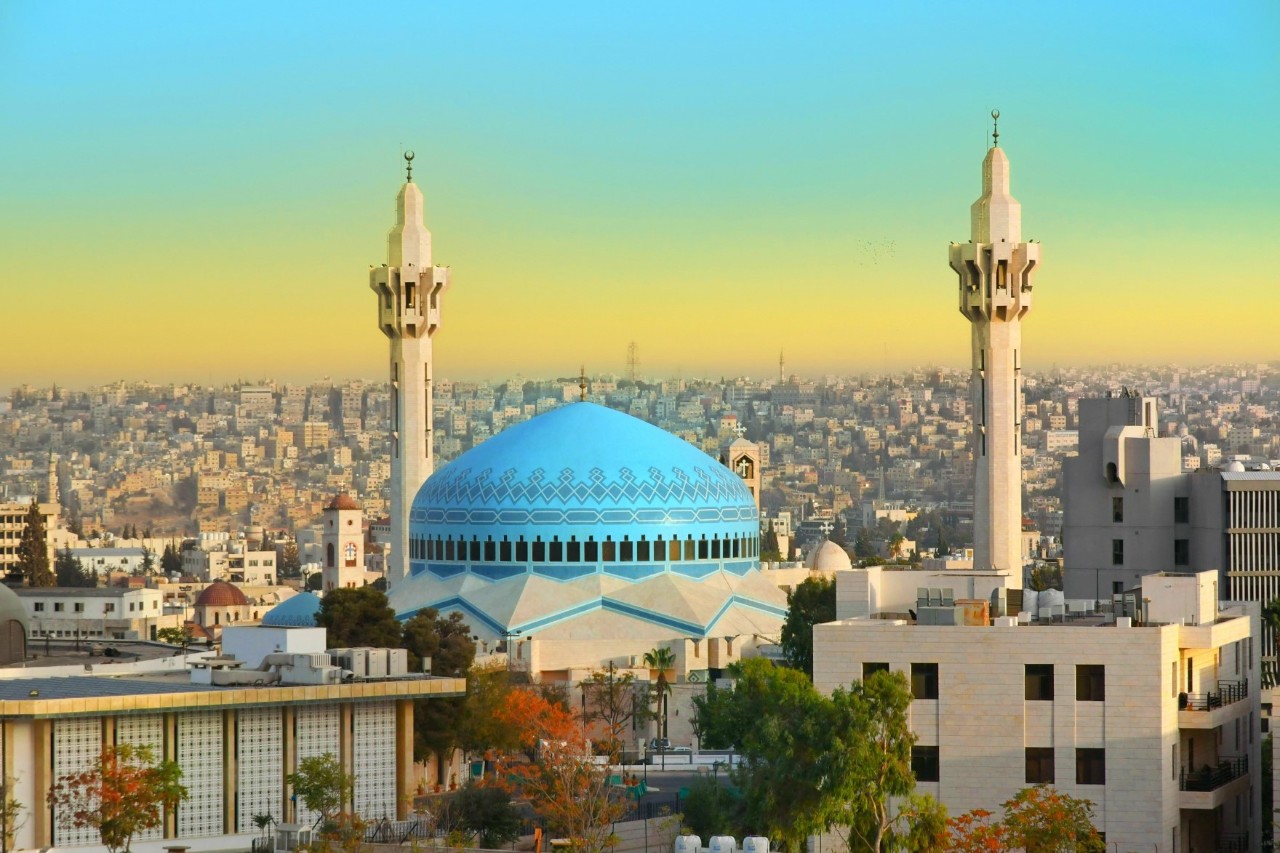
x: 1227, y: 693
x: 1233, y: 842
x: 1211, y: 778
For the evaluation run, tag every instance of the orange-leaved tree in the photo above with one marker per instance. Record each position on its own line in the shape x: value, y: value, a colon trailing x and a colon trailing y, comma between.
x: 562, y: 783
x: 1039, y: 819
x: 124, y: 791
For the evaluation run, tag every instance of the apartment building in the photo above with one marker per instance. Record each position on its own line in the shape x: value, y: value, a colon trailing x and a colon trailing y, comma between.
x: 1153, y: 716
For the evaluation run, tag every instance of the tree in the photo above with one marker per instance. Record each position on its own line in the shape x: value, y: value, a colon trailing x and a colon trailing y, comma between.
x: 862, y: 547
x: 69, y: 571
x: 33, y: 550
x: 661, y: 660
x: 1037, y: 820
x: 770, y: 551
x: 562, y: 783
x: 171, y: 560
x: 1046, y: 577
x: 323, y: 786
x: 811, y: 603
x: 124, y: 791
x: 708, y: 809
x: 148, y: 562
x: 715, y: 718
x: 480, y: 725
x: 11, y: 813
x: 870, y: 764
x: 290, y: 562
x: 180, y: 636
x: 486, y: 812
x: 615, y: 701
x: 358, y: 617
x: 437, y: 723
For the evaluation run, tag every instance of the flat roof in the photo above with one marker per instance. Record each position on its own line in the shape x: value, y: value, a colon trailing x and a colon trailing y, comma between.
x: 76, y: 591
x: 86, y: 686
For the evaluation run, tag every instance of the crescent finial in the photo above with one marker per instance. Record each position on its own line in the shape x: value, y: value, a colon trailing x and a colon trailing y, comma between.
x: 408, y: 165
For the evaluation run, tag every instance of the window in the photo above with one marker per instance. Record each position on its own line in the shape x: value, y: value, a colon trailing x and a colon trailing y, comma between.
x: 924, y: 680
x: 1181, y: 510
x: 1091, y: 767
x: 1039, y: 765
x: 39, y: 607
x: 57, y: 607
x: 1117, y: 510
x: 1181, y: 552
x: 79, y: 606
x: 1117, y: 552
x: 1039, y: 682
x: 870, y: 669
x: 924, y: 763
x: 1091, y: 685
x: 109, y: 607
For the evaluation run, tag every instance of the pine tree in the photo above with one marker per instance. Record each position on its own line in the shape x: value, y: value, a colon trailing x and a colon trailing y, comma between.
x: 33, y: 551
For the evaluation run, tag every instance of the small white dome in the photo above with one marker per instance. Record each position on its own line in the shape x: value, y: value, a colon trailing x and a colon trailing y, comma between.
x: 1236, y: 467
x: 829, y: 557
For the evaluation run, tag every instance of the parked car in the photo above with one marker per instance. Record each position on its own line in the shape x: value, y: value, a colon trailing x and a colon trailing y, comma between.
x: 662, y: 744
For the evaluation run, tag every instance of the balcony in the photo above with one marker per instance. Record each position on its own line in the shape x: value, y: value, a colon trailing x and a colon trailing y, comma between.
x: 1210, y: 710
x: 1210, y: 787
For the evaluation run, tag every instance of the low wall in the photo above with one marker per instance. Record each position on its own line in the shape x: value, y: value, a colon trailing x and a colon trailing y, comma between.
x: 172, y: 663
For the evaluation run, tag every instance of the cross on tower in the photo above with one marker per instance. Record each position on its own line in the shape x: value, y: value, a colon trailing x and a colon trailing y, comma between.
x: 740, y: 430
x: 826, y: 527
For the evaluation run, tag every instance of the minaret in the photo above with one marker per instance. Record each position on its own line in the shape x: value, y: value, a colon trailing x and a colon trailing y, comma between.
x: 408, y: 288
x: 995, y: 269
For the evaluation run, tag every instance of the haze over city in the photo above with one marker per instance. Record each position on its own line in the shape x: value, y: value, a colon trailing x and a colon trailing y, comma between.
x: 193, y: 195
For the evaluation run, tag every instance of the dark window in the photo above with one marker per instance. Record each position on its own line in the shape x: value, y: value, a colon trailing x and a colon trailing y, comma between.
x: 1117, y: 510
x: 924, y: 763
x: 690, y: 549
x: 642, y: 550
x: 608, y: 551
x: 628, y: 550
x: 924, y: 680
x: 504, y: 550
x: 1181, y: 552
x: 490, y: 551
x: 1117, y: 552
x: 557, y: 550
x: 704, y: 550
x: 715, y: 548
x: 1039, y: 682
x: 1181, y: 510
x: 475, y: 550
x: 539, y: 550
x: 575, y: 550
x: 1091, y: 767
x: 1091, y: 683
x: 592, y: 553
x: 1039, y: 765
x: 522, y: 551
x: 448, y: 550
x: 869, y: 669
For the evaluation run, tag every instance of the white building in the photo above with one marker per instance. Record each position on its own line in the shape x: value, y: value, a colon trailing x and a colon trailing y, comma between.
x: 104, y: 561
x: 1155, y: 719
x: 995, y: 269
x: 112, y: 613
x: 409, y: 287
x: 233, y: 562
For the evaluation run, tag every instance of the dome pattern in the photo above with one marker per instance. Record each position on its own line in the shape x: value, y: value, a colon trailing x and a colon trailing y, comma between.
x: 221, y: 594
x: 342, y: 500
x: 581, y: 510
x: 297, y: 611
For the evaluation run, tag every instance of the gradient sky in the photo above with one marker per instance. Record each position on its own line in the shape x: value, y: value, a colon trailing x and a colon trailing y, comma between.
x: 195, y: 191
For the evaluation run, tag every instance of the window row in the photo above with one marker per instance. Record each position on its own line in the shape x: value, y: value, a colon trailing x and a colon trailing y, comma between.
x: 556, y: 550
x: 1091, y: 681
x: 1181, y: 510
x: 1091, y: 765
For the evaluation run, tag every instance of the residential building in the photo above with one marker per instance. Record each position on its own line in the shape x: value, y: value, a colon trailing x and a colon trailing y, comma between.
x: 1153, y: 716
x: 112, y: 613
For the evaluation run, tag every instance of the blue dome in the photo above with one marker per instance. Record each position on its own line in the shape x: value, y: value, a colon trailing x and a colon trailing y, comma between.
x: 579, y: 490
x: 298, y: 611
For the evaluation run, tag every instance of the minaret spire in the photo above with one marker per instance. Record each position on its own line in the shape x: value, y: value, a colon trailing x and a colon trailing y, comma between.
x: 995, y: 269
x: 408, y: 288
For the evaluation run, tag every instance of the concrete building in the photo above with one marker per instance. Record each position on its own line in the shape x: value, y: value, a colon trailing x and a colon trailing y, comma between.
x: 13, y: 520
x: 995, y: 269
x: 236, y: 744
x: 108, y: 613
x: 233, y: 562
x: 1130, y: 509
x: 409, y: 288
x: 1155, y: 717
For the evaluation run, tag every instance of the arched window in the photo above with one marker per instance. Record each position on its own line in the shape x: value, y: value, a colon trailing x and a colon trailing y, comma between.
x: 328, y: 555
x: 1112, y: 474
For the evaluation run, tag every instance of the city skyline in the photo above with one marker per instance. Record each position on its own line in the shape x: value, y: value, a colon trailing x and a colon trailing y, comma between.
x: 197, y: 198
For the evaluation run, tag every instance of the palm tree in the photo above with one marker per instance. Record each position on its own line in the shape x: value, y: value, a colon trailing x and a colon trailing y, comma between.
x: 663, y: 660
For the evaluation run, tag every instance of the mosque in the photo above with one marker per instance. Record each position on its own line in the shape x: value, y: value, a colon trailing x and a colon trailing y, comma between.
x: 579, y: 538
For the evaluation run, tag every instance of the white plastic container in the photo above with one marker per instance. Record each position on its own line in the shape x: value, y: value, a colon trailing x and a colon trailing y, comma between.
x: 688, y: 844
x: 722, y: 844
x: 755, y: 844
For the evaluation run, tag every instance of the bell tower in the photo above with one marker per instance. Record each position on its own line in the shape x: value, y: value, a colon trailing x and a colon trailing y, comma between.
x: 408, y: 288
x: 995, y: 269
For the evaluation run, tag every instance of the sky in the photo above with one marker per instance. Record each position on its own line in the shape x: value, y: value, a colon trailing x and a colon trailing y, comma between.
x: 195, y: 191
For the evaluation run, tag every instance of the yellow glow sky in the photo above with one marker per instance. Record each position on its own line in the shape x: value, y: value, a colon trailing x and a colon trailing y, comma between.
x: 195, y: 191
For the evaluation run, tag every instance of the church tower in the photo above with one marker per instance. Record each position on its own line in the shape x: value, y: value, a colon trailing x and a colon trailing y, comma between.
x: 342, y: 538
x: 995, y: 269
x: 408, y: 288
